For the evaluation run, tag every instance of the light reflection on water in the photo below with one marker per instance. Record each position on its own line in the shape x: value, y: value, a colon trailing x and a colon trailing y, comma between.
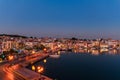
x: 83, y: 65
x: 97, y: 52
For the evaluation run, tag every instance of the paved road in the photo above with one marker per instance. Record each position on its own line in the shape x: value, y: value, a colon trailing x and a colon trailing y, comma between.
x: 6, y: 74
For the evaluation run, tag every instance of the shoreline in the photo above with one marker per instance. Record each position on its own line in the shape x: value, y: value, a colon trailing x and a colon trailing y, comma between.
x: 27, y: 73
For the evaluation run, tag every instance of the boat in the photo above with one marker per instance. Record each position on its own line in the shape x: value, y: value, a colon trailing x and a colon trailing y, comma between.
x: 54, y: 56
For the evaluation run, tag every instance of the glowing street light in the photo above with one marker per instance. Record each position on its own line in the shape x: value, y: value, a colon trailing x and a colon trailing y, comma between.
x: 40, y: 69
x: 44, y: 60
x: 33, y: 52
x: 58, y: 52
x: 45, y: 49
x: 33, y: 68
x: 10, y: 58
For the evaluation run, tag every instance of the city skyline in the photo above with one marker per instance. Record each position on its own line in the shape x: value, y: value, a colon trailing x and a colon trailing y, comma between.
x: 82, y: 19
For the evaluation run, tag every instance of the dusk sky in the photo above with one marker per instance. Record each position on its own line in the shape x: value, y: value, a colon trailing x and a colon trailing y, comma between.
x: 61, y: 18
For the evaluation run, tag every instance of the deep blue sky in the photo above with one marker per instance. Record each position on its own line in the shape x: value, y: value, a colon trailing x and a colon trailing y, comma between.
x: 62, y: 18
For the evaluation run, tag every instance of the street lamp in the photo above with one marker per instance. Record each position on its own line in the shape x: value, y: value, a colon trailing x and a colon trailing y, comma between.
x: 40, y: 69
x: 33, y: 52
x: 45, y: 49
x: 10, y: 58
x: 33, y: 68
x: 44, y: 60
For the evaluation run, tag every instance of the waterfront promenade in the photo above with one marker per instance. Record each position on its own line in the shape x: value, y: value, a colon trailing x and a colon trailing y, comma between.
x: 18, y: 68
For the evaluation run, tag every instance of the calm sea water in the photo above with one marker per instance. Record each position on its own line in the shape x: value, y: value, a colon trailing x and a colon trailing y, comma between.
x: 79, y: 66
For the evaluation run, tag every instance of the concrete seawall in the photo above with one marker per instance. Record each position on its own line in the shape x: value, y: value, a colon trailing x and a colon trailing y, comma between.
x: 34, y: 60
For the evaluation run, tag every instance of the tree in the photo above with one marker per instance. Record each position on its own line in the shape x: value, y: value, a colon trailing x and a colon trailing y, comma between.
x: 39, y: 47
x: 13, y: 51
x: 73, y: 38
